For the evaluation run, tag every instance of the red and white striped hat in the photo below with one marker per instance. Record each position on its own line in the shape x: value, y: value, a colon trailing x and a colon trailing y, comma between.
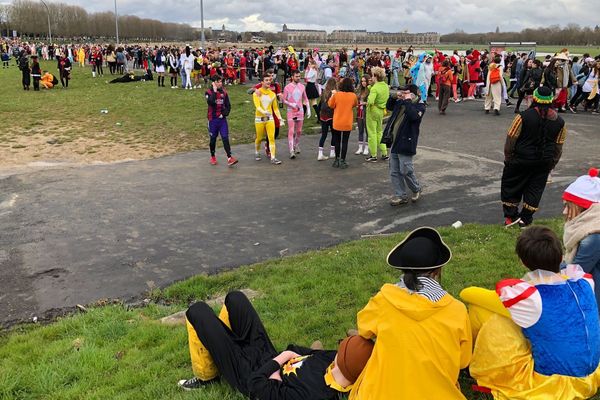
x: 585, y: 191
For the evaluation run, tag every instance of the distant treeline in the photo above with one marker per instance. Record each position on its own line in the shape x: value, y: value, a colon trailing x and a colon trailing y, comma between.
x: 30, y: 18
x: 571, y: 34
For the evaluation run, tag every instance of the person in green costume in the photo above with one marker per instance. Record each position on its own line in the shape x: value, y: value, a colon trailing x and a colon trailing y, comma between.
x: 378, y: 96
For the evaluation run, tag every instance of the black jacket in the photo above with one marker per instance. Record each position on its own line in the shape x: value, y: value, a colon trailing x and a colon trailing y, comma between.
x: 303, y: 380
x: 407, y: 129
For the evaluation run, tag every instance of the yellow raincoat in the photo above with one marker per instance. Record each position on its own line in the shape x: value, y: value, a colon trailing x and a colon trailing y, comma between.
x: 420, y: 348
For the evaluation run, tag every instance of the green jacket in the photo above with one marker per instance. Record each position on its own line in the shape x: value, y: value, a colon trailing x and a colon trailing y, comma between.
x: 378, y: 95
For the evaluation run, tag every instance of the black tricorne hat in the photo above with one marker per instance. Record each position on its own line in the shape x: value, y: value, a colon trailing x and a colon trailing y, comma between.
x: 422, y: 249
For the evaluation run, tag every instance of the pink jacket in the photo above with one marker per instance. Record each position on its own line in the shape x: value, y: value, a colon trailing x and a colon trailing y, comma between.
x: 294, y: 96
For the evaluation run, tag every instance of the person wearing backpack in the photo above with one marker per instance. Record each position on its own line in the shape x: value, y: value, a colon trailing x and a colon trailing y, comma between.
x: 494, y: 87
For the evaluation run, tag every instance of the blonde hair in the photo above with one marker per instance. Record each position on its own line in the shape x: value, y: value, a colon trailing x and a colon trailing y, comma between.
x: 378, y: 73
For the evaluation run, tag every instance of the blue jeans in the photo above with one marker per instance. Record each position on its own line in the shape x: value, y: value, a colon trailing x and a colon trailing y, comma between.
x: 402, y: 174
x: 183, y: 77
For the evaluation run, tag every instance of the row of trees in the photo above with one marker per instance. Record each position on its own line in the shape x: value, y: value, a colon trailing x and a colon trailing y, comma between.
x: 30, y: 18
x: 571, y: 34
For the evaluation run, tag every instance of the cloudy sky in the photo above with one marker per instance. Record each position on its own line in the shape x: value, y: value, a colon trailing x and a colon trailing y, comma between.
x: 388, y: 15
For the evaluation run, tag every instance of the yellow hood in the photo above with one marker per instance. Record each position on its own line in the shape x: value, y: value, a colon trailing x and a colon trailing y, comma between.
x: 414, y: 306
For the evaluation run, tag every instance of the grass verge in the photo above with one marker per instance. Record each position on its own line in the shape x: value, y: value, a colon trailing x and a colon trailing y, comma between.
x: 114, y: 353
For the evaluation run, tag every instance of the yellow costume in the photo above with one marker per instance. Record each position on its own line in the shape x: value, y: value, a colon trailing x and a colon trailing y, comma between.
x: 202, y: 363
x: 46, y: 81
x: 265, y: 100
x: 502, y: 358
x: 421, y: 346
x: 502, y: 362
x: 81, y: 57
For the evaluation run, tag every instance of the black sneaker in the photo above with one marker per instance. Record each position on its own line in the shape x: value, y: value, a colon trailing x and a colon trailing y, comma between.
x: 336, y: 163
x: 371, y: 159
x: 523, y: 224
x: 385, y: 158
x: 343, y: 164
x: 194, y: 383
x: 496, y: 112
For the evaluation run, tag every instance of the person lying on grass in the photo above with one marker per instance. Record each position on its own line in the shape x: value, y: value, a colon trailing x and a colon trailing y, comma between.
x: 540, y: 338
x: 236, y: 347
x: 423, y: 333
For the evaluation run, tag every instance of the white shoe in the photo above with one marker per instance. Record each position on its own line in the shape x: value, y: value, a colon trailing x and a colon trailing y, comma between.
x: 321, y: 157
x: 297, y: 149
x: 359, y: 151
x: 366, y: 151
x: 332, y: 154
x: 437, y: 99
x: 292, y: 155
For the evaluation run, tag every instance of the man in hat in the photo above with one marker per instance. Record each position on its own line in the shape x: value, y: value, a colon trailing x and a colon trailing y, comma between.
x: 533, y: 148
x: 236, y: 346
x: 405, y: 122
x: 423, y: 333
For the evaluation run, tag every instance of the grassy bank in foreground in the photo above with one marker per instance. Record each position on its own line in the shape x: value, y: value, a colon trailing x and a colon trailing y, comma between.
x: 114, y: 353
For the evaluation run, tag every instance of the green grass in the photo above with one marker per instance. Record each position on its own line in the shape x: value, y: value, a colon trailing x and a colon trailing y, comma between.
x: 139, y: 113
x: 114, y: 353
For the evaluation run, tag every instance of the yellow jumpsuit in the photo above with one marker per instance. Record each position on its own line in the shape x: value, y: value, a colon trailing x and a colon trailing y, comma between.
x: 265, y: 100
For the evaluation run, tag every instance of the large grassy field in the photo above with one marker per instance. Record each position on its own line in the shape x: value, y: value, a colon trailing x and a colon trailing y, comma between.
x: 114, y: 353
x: 143, y: 120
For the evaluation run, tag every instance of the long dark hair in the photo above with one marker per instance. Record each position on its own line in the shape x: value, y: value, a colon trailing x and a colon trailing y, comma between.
x: 410, y: 279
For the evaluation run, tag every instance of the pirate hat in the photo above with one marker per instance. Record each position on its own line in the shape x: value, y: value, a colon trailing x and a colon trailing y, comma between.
x: 422, y: 249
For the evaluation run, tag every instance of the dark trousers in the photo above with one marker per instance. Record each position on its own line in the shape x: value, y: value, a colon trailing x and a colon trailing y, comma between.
x: 325, y: 127
x: 575, y: 98
x: 26, y: 78
x: 522, y: 95
x: 445, y: 93
x: 36, y: 83
x: 340, y: 140
x: 238, y: 351
x: 526, y: 181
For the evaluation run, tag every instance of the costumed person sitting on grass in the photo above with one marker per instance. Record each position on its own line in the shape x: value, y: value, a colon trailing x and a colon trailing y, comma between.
x: 236, y: 346
x: 537, y: 337
x: 582, y: 227
x: 423, y: 333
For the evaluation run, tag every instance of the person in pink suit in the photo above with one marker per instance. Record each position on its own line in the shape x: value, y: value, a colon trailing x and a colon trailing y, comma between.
x: 294, y: 97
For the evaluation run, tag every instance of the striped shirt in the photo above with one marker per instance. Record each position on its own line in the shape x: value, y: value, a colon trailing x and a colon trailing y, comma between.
x: 430, y: 288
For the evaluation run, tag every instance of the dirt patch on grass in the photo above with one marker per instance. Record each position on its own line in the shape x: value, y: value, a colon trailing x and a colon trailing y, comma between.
x: 87, y: 143
x: 24, y: 150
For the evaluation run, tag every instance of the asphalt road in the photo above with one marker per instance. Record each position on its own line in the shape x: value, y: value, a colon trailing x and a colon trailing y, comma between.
x: 73, y: 235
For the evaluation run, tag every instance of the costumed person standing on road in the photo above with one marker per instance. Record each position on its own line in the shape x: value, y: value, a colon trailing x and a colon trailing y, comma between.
x: 493, y: 97
x: 236, y: 346
x: 219, y: 108
x: 265, y: 102
x: 423, y: 333
x: 407, y: 114
x: 378, y: 96
x: 533, y: 148
x: 582, y: 227
x: 294, y: 97
x: 538, y: 337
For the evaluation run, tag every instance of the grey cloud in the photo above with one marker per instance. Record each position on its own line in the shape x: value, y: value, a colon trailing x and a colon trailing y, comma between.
x: 386, y: 15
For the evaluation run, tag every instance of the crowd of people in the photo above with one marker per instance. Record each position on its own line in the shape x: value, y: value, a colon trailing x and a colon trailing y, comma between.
x: 535, y: 337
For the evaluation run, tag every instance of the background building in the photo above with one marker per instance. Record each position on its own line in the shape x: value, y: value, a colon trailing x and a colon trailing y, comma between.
x: 303, y: 35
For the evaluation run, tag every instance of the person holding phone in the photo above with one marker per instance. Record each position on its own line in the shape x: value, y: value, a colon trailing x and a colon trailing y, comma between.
x: 406, y: 128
